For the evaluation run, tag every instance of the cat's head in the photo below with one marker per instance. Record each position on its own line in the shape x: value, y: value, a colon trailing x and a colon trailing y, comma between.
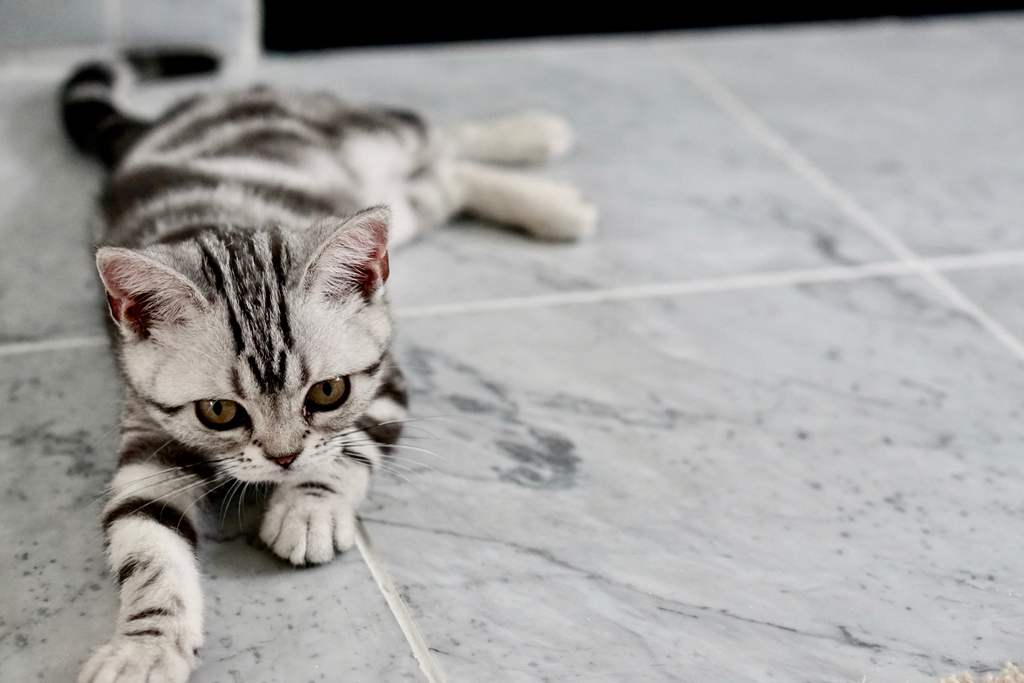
x: 256, y: 348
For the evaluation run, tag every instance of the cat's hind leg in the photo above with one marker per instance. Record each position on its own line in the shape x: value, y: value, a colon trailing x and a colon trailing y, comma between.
x: 423, y: 176
x: 527, y: 138
x: 547, y: 209
x: 150, y: 521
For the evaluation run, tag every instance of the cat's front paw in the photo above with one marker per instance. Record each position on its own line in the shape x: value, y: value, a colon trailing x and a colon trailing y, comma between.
x: 139, y: 659
x: 305, y: 524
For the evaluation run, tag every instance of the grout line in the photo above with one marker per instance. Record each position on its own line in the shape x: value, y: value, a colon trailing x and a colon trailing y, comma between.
x: 965, y: 304
x: 718, y: 284
x: 380, y: 573
x: 712, y: 285
x: 845, y: 202
x: 67, y: 344
x: 992, y: 259
x: 800, y: 164
x: 667, y: 289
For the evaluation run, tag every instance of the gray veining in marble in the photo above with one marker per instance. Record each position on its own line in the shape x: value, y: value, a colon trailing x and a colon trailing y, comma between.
x: 798, y: 484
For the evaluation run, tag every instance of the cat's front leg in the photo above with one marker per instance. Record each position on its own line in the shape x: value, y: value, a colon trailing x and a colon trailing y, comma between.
x: 308, y: 519
x: 150, y: 523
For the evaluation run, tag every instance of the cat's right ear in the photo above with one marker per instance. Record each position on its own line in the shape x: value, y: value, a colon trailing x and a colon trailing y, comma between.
x: 352, y: 255
x: 144, y: 293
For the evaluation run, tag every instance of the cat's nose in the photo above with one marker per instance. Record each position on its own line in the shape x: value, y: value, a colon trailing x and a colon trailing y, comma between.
x: 284, y: 461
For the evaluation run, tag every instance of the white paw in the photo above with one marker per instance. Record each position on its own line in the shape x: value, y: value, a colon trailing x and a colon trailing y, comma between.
x: 530, y: 137
x: 306, y: 526
x: 569, y: 219
x: 548, y: 209
x: 139, y: 659
x: 555, y: 210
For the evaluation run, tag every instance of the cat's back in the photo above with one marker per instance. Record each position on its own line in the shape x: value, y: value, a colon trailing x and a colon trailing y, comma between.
x: 255, y: 122
x: 254, y: 157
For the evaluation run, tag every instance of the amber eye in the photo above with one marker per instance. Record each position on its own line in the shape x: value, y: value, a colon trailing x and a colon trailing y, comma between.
x: 220, y: 413
x: 328, y: 394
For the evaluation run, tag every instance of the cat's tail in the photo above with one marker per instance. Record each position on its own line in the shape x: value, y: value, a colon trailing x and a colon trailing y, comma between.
x: 89, y: 99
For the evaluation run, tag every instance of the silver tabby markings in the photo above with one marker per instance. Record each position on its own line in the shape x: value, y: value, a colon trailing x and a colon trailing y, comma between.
x: 245, y: 279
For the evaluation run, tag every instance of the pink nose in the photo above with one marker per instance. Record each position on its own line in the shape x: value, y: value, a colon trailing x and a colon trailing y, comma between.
x: 285, y: 461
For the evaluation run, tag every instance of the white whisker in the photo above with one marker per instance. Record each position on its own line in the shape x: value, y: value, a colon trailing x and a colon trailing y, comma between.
x: 153, y: 454
x: 396, y: 445
x: 208, y: 493
x: 226, y: 504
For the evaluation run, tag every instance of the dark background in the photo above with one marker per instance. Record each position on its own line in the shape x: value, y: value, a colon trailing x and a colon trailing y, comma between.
x: 310, y: 25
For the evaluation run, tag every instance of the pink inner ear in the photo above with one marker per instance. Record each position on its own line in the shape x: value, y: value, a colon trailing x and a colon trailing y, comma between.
x: 127, y: 312
x: 355, y: 256
x: 375, y: 272
x: 142, y: 292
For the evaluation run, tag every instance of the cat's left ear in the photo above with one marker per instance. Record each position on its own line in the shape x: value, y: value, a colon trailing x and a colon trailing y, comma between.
x: 352, y: 255
x: 144, y: 293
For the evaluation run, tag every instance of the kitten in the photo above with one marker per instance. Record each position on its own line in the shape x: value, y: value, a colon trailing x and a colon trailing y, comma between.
x: 244, y: 251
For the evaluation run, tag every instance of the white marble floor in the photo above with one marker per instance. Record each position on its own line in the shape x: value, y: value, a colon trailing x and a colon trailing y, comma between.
x: 765, y: 426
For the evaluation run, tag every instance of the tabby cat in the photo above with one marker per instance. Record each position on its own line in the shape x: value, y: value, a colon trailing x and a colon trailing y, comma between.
x: 243, y: 245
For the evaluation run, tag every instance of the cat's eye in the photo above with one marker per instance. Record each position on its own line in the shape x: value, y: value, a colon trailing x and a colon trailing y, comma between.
x: 328, y: 394
x: 220, y: 414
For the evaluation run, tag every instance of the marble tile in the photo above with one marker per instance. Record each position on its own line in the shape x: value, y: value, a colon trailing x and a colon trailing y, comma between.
x: 47, y: 282
x: 917, y: 119
x: 39, y: 23
x: 803, y: 483
x: 266, y: 621
x: 809, y: 483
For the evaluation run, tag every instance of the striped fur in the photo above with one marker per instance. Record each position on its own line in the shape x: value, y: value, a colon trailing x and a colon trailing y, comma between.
x: 245, y: 274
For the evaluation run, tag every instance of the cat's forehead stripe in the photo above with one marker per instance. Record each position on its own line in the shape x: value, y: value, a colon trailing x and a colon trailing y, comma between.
x: 236, y: 383
x: 216, y: 277
x: 248, y: 269
x: 280, y: 261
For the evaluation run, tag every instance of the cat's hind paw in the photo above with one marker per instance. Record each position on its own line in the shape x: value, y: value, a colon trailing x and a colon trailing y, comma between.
x: 527, y: 138
x: 545, y: 208
x: 306, y: 524
x: 139, y: 659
